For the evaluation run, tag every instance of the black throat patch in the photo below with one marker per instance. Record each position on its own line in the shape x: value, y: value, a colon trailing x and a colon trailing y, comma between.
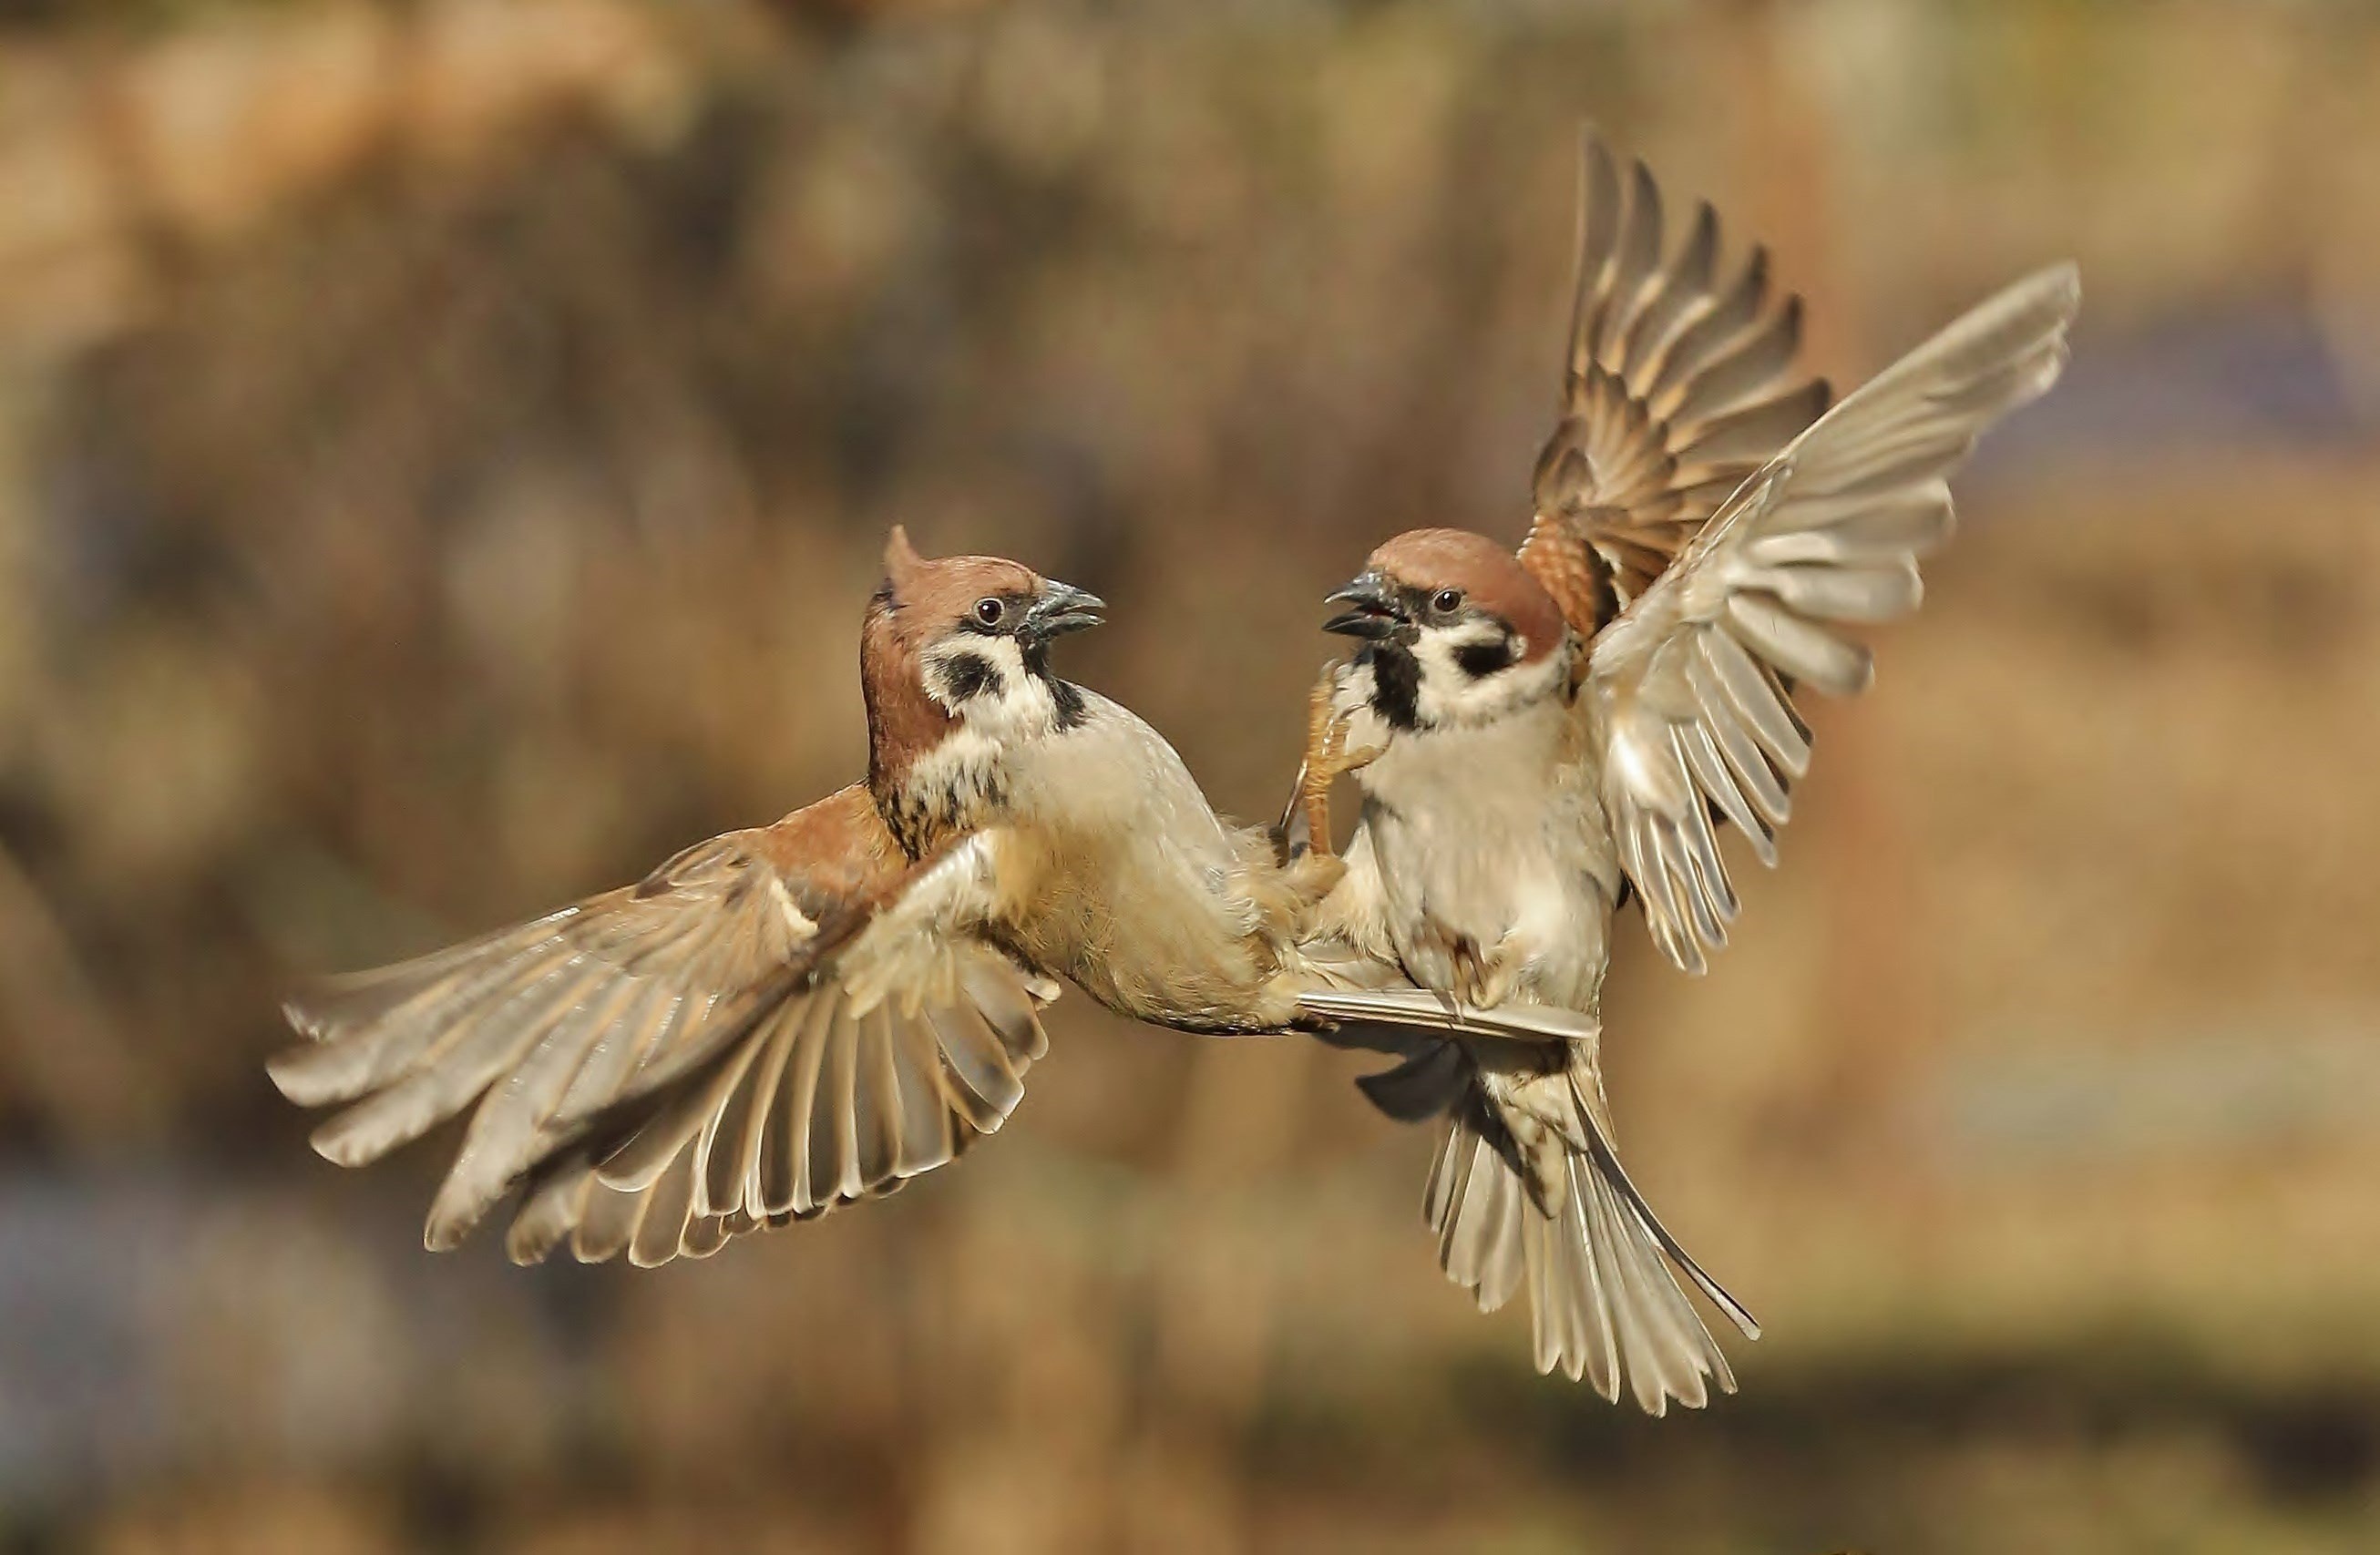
x: 1066, y: 696
x: 1396, y: 684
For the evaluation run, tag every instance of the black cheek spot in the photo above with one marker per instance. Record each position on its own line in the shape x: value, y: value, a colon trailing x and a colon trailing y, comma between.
x: 1396, y: 684
x: 1480, y: 659
x: 967, y: 675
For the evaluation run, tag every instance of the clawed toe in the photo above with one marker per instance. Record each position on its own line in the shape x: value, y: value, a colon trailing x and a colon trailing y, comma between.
x: 1344, y: 761
x: 1327, y: 757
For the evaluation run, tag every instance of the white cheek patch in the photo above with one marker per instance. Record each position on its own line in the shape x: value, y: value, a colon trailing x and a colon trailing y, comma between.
x: 1449, y: 694
x: 983, y: 680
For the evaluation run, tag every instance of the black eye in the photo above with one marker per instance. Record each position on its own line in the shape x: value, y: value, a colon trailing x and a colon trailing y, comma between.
x: 989, y: 611
x: 1446, y: 601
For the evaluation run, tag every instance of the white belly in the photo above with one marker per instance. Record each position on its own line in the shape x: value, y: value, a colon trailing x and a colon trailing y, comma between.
x: 1487, y: 846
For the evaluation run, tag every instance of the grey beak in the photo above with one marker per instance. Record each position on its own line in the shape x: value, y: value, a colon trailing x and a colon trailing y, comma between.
x: 1372, y: 612
x: 1063, y: 608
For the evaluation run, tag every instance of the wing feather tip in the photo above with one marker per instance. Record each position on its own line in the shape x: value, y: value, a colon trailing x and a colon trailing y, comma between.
x: 336, y: 1142
x: 290, y: 1071
x: 2061, y: 283
x: 444, y: 1233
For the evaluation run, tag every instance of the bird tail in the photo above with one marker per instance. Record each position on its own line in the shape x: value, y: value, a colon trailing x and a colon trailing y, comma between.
x: 1527, y: 1187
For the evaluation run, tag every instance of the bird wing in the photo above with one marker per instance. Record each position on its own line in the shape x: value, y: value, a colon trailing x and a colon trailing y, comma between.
x: 775, y: 1022
x: 1679, y: 384
x: 1687, y: 690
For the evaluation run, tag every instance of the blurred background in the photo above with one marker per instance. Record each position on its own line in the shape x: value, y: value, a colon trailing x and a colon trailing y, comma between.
x: 444, y: 448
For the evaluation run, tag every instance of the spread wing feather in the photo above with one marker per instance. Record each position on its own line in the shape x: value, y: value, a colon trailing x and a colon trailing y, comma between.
x: 1689, y: 684
x: 1678, y: 385
x: 737, y: 1040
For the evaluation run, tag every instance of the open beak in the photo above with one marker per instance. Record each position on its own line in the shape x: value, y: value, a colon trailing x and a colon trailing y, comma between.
x: 1063, y: 608
x: 1371, y: 611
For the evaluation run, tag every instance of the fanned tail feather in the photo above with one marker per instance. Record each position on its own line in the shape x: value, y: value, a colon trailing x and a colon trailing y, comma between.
x: 1526, y: 1189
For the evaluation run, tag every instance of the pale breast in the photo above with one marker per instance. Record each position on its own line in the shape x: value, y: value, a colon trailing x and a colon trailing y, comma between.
x: 1488, y: 845
x: 1146, y: 905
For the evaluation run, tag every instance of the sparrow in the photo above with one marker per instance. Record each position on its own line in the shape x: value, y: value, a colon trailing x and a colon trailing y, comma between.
x: 791, y: 1017
x: 1547, y: 733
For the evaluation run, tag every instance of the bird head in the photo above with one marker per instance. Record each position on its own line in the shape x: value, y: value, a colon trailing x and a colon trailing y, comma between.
x: 1454, y: 630
x: 962, y: 644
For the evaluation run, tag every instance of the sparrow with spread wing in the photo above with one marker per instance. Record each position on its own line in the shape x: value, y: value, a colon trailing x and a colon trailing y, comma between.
x: 781, y: 1020
x: 1544, y: 733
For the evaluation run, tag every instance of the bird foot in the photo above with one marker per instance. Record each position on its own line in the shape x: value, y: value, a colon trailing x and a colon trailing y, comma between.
x: 1311, y: 877
x: 1327, y: 759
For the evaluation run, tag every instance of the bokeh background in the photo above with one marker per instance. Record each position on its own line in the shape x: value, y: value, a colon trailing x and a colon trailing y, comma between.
x: 444, y: 448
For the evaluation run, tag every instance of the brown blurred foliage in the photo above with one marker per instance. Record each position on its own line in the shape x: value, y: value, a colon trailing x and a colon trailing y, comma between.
x: 443, y: 450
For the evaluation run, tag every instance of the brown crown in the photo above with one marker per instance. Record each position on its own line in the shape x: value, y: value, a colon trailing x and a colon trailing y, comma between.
x: 1490, y: 576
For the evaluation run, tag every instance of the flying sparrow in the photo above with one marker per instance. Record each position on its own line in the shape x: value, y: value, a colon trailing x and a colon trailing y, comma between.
x: 1550, y: 732
x: 784, y: 1019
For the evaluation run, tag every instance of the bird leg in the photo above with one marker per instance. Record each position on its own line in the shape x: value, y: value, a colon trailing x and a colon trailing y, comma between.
x: 1327, y: 760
